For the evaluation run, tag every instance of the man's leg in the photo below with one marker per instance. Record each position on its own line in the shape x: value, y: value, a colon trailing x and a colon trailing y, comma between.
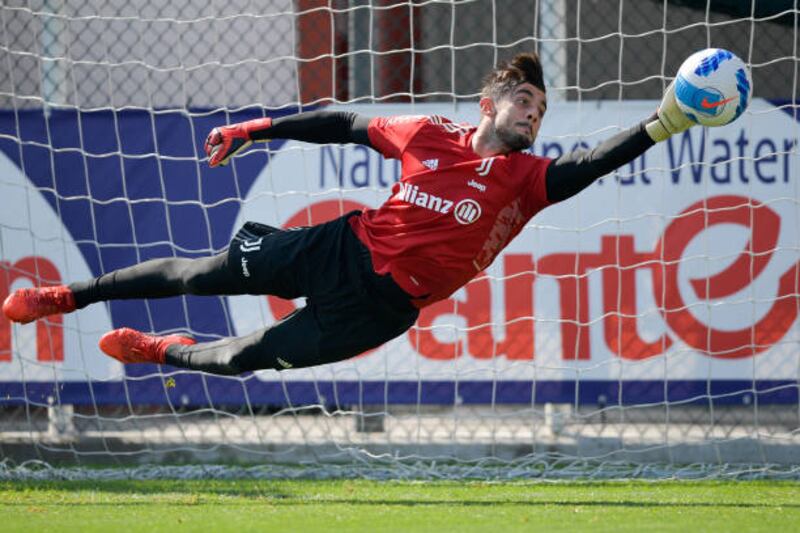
x: 294, y: 342
x: 349, y: 311
x: 157, y: 278
x: 300, y: 340
x: 260, y: 260
x: 161, y: 278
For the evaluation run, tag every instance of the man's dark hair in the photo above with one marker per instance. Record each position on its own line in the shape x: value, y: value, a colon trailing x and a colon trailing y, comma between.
x: 523, y: 68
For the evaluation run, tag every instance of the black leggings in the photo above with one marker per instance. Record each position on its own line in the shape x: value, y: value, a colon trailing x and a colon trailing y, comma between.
x: 161, y: 278
x: 349, y: 310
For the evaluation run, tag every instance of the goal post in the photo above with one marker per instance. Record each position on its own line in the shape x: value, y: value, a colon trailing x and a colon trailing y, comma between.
x: 647, y: 327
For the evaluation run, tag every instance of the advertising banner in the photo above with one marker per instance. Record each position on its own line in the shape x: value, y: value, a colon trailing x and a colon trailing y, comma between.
x: 673, y: 279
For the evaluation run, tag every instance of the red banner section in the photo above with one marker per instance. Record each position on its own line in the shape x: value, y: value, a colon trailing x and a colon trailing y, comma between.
x: 619, y: 262
x: 49, y: 332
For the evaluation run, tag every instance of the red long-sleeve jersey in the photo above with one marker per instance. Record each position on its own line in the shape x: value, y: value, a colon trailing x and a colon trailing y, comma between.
x: 452, y: 211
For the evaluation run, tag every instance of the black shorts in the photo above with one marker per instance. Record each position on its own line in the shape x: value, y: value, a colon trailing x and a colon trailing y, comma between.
x: 349, y: 308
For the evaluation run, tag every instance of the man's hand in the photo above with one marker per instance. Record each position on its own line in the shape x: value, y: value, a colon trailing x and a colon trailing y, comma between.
x: 225, y: 142
x: 669, y: 118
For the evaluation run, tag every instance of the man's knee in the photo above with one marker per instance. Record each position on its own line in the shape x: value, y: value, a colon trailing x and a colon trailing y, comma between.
x: 195, y: 283
x: 252, y: 352
x: 252, y: 360
x: 206, y: 276
x: 240, y: 362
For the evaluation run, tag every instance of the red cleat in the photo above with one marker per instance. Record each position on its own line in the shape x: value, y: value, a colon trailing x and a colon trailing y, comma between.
x: 27, y: 305
x: 130, y: 346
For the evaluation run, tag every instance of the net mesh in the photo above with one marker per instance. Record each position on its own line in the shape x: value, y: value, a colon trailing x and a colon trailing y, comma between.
x: 539, y: 368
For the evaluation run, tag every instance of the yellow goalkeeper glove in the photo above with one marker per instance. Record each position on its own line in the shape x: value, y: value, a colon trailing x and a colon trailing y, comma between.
x: 669, y: 118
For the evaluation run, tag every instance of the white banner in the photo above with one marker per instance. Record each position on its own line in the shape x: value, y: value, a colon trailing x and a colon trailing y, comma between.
x: 683, y: 265
x: 37, y: 250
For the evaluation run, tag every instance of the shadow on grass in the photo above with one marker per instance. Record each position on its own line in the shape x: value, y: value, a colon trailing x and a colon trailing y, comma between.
x: 309, y: 493
x: 293, y: 502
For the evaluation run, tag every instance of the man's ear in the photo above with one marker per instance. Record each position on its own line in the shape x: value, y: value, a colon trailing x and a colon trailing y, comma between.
x: 486, y: 105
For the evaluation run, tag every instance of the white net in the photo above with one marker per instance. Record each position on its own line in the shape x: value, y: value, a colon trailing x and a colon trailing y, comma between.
x: 646, y: 328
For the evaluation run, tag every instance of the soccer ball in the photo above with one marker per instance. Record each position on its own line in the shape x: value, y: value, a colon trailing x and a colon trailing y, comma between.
x: 713, y: 87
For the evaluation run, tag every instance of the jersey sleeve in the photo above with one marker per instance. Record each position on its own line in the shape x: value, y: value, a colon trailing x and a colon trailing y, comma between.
x: 391, y: 135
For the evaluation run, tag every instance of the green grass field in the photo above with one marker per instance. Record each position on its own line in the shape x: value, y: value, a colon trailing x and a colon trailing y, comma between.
x: 358, y: 505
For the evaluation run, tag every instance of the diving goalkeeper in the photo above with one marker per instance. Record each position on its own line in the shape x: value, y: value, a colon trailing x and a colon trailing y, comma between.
x: 464, y: 194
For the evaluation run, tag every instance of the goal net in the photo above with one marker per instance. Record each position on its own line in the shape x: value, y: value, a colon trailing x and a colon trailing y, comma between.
x: 646, y: 327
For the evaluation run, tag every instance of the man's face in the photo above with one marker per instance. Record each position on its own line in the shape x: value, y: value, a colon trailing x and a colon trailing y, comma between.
x: 518, y: 116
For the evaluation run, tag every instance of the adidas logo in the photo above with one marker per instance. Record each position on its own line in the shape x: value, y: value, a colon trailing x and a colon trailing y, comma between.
x: 432, y: 164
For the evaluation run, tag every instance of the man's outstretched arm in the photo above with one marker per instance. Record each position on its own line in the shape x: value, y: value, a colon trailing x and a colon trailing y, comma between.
x: 571, y: 173
x: 316, y: 127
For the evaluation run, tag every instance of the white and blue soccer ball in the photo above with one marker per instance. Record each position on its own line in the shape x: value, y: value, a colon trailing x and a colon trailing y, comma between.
x: 713, y: 87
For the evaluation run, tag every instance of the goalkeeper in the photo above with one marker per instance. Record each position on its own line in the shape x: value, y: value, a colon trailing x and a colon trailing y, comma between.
x: 465, y: 192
